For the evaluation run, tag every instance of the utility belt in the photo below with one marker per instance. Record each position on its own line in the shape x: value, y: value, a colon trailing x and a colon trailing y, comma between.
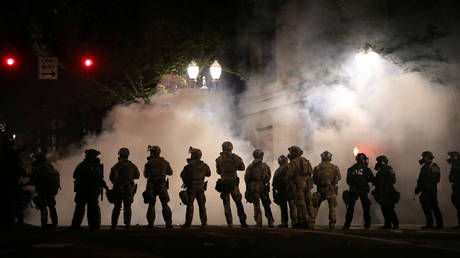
x: 227, y: 185
x: 158, y: 182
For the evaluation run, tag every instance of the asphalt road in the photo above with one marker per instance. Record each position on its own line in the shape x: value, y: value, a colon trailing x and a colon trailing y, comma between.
x: 218, y: 241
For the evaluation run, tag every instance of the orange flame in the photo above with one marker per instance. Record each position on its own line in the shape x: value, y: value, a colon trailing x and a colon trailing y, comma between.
x: 355, y: 151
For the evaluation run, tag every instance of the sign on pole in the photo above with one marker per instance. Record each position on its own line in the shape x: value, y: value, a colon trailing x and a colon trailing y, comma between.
x: 47, y: 68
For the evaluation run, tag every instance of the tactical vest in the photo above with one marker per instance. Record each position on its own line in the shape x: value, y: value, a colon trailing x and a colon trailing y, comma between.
x: 227, y: 164
x: 124, y: 172
x: 156, y: 168
x: 47, y: 180
x: 256, y: 172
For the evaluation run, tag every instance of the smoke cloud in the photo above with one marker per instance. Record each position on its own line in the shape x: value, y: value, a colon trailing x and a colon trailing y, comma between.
x: 333, y: 98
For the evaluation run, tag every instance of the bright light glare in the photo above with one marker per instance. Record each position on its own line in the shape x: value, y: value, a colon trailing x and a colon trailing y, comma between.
x: 355, y: 151
x: 10, y: 61
x: 215, y: 70
x: 193, y: 70
x: 367, y: 58
x: 88, y: 62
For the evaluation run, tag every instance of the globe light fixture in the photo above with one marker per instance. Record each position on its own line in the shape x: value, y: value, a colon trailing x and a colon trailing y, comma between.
x: 193, y: 70
x: 215, y: 70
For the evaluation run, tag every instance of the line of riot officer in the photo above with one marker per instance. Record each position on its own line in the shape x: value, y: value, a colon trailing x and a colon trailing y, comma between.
x: 292, y: 184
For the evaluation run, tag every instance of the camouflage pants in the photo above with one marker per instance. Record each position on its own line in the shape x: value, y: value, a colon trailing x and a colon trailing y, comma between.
x: 285, y: 212
x: 332, y: 202
x: 124, y: 195
x: 94, y: 212
x: 304, y: 206
x: 162, y: 193
x: 43, y: 203
x: 265, y: 199
x: 196, y: 192
x: 236, y: 196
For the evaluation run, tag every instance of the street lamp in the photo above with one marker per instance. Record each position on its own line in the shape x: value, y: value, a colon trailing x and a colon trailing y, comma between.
x: 193, y: 70
x: 215, y: 70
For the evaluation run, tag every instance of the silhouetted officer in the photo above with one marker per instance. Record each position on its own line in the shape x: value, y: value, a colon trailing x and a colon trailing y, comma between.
x: 284, y: 193
x: 427, y: 184
x: 326, y: 176
x: 47, y: 184
x: 122, y: 176
x: 358, y: 178
x: 88, y: 185
x: 454, y: 178
x: 193, y: 176
x: 300, y: 172
x: 257, y: 180
x: 227, y: 164
x: 156, y: 170
x: 385, y: 193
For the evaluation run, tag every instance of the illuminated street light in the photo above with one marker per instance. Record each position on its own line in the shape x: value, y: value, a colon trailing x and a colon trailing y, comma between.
x: 367, y: 58
x: 193, y: 70
x: 215, y: 70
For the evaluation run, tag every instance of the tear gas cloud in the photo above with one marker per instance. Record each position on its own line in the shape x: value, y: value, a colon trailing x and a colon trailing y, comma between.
x: 174, y: 123
x: 350, y: 98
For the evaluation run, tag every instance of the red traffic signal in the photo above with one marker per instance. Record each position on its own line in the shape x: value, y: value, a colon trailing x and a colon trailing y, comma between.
x: 88, y: 62
x: 10, y: 61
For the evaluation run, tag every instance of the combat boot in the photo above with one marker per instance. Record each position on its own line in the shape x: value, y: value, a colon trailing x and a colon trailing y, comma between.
x: 186, y: 226
x: 331, y: 225
x: 169, y: 226
x: 149, y: 226
x: 204, y: 226
x: 243, y: 224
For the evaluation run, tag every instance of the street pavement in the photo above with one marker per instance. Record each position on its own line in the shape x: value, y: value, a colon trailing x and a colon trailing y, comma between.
x: 219, y: 241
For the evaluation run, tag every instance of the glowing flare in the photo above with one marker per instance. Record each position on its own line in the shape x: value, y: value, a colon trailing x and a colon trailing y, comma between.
x: 355, y: 151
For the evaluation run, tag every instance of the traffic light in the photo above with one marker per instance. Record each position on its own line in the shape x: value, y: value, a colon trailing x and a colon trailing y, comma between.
x: 10, y: 62
x: 88, y: 62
